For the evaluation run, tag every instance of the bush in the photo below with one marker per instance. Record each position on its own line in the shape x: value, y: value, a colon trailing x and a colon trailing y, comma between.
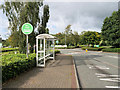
x: 14, y: 64
x: 111, y: 50
x: 81, y: 46
x: 69, y: 47
x: 57, y: 51
x: 92, y: 49
x: 9, y: 49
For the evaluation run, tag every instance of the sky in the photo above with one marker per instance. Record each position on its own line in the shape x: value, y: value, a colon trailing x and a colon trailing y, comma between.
x: 83, y: 16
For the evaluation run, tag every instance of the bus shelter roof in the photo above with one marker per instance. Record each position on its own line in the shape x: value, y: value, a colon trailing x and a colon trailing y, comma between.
x: 46, y: 36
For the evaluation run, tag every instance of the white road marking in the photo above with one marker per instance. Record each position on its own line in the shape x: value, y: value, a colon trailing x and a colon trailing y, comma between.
x: 112, y: 86
x: 99, y: 74
x: 113, y: 56
x: 110, y: 79
x: 106, y: 75
x: 99, y: 67
x: 102, y: 67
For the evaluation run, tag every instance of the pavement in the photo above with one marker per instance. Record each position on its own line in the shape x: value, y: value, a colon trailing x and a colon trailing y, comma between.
x: 96, y: 69
x: 59, y: 73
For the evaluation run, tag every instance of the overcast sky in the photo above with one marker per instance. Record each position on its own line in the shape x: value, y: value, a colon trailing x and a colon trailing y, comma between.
x: 83, y: 16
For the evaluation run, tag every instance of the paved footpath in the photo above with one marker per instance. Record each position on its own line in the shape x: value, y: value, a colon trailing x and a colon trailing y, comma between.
x: 59, y: 73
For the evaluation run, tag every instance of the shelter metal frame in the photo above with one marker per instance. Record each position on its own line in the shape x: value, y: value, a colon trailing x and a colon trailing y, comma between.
x: 45, y: 49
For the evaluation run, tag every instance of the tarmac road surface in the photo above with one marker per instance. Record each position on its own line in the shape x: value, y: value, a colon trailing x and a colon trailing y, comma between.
x: 96, y: 69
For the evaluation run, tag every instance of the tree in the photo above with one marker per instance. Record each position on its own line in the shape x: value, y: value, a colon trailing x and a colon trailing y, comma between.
x: 89, y: 37
x: 75, y: 38
x: 68, y: 35
x: 5, y: 43
x: 110, y: 32
x: 19, y: 13
x: 14, y: 39
x: 45, y: 18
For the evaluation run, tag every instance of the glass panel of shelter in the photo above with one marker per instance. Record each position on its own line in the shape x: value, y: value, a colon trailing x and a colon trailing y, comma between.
x: 49, y: 52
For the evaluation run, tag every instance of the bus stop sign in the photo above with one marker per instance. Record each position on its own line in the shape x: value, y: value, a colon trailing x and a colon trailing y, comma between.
x: 27, y: 28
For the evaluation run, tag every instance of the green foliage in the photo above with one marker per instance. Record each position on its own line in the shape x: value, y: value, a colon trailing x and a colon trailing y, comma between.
x: 110, y: 30
x: 10, y: 52
x: 19, y: 13
x: 14, y: 64
x: 9, y: 49
x: 91, y: 48
x: 81, y: 46
x: 69, y: 47
x: 96, y: 48
x: 89, y: 37
x: 14, y: 39
x: 68, y: 37
x: 45, y: 19
x: 111, y: 50
x: 61, y: 38
x: 5, y: 43
x: 57, y: 51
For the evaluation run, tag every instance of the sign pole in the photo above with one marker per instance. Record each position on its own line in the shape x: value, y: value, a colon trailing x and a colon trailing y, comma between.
x: 27, y: 45
x: 27, y: 29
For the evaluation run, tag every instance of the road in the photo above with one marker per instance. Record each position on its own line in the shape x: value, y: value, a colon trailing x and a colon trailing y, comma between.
x: 96, y: 69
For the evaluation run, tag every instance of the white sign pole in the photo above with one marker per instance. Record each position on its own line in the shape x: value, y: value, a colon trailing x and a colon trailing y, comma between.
x: 27, y: 45
x: 27, y: 28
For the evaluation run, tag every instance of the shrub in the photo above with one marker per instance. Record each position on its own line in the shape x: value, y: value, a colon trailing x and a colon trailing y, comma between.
x: 81, y: 46
x: 9, y: 49
x: 14, y: 64
x: 111, y: 50
x: 92, y: 49
x: 69, y: 47
x: 57, y: 51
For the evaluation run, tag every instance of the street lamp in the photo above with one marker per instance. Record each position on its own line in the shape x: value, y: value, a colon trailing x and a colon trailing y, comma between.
x: 65, y: 38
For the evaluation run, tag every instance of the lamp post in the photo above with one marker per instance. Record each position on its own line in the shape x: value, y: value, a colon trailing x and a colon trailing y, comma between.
x: 65, y: 38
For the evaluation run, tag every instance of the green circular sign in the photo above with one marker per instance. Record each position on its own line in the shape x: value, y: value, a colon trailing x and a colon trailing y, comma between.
x: 27, y: 28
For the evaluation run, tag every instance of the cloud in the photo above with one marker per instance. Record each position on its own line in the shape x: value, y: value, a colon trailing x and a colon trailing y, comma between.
x: 3, y: 25
x: 81, y: 15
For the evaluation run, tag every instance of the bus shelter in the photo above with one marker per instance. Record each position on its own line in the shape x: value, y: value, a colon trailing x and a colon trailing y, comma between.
x: 45, y: 49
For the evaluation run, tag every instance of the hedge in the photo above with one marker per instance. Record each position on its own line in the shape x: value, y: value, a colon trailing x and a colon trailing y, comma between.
x: 69, y: 47
x: 57, y: 51
x: 9, y: 49
x: 111, y: 50
x: 14, y: 64
x: 92, y: 49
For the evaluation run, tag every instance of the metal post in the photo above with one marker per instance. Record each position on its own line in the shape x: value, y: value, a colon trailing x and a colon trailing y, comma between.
x: 44, y: 52
x: 27, y: 45
x: 53, y: 49
x: 40, y: 47
x: 37, y: 51
x: 65, y: 38
x: 49, y: 46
